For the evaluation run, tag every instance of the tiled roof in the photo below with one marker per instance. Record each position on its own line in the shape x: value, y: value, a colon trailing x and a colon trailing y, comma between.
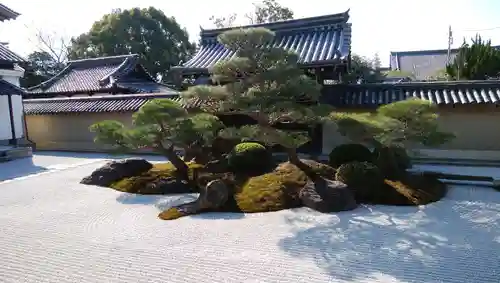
x: 101, y: 75
x: 7, y: 14
x: 8, y: 56
x: 7, y: 88
x: 317, y: 40
x: 91, y: 104
x: 342, y: 96
x: 423, y: 64
x: 440, y: 93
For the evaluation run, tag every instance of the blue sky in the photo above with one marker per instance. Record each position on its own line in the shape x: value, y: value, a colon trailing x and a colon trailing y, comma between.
x: 378, y: 26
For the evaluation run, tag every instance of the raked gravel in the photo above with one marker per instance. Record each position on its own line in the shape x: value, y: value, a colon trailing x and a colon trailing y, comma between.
x: 53, y: 229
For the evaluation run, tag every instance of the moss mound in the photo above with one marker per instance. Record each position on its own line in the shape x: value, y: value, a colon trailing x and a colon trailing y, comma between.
x: 148, y: 183
x: 412, y: 189
x: 276, y: 190
x: 279, y: 188
x: 370, y: 188
x: 346, y: 153
x: 250, y: 157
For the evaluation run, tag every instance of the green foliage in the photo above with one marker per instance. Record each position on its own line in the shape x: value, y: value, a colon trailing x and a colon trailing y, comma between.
x: 399, y: 74
x: 363, y: 69
x: 476, y: 61
x: 158, y: 39
x: 250, y: 157
x: 398, y: 123
x: 40, y: 67
x: 267, y: 11
x: 159, y: 124
x: 363, y: 177
x: 346, y: 153
x: 413, y: 120
x: 265, y: 83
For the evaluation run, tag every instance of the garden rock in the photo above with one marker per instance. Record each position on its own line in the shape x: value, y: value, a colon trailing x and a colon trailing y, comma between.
x: 170, y: 185
x: 326, y: 196
x: 212, y: 196
x: 116, y: 170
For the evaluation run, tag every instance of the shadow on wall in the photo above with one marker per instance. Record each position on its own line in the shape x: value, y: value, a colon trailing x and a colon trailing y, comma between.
x: 19, y: 168
x: 454, y: 241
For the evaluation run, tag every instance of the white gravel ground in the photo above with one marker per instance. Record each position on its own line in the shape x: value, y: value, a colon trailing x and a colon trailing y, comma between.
x: 53, y: 229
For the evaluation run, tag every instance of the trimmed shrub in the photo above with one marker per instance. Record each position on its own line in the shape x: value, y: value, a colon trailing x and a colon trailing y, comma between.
x: 403, y: 160
x: 363, y: 177
x: 346, y: 153
x: 250, y: 157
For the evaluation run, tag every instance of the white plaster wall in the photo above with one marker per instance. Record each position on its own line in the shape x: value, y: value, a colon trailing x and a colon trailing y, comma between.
x: 5, y: 131
x: 11, y: 79
x: 17, y: 111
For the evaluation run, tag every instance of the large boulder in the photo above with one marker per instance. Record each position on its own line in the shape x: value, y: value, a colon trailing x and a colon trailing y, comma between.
x: 326, y: 196
x: 116, y: 170
x: 214, y: 195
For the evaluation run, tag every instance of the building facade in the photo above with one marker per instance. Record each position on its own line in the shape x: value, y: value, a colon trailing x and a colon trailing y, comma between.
x: 99, y: 76
x: 11, y: 105
x: 422, y: 64
x: 322, y: 43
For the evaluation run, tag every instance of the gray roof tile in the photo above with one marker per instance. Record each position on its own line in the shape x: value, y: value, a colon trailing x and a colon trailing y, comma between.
x: 440, y: 93
x: 8, y: 56
x: 100, y: 75
x: 342, y: 96
x: 317, y: 40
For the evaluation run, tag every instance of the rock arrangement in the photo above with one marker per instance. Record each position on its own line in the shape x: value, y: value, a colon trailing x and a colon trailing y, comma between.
x: 313, y: 184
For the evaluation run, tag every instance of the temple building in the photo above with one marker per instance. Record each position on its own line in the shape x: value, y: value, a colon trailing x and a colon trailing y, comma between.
x: 99, y: 76
x: 322, y: 43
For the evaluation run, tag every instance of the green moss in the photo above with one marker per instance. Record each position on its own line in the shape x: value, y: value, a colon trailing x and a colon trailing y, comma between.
x: 170, y: 214
x: 250, y: 157
x: 138, y: 184
x: 276, y: 190
x: 413, y: 189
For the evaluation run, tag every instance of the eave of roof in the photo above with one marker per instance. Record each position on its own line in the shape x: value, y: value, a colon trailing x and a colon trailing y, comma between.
x: 364, y: 96
x: 7, y: 14
x: 440, y: 93
x: 286, y: 25
x: 6, y: 55
x: 98, y: 75
x: 7, y: 88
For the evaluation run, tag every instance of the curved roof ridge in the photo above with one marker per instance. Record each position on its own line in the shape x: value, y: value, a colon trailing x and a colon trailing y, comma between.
x: 337, y: 18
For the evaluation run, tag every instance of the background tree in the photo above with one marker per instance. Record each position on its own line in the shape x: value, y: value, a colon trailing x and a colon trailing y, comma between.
x: 266, y: 11
x: 362, y: 70
x: 476, y: 61
x: 47, y: 60
x: 376, y: 62
x: 399, y: 74
x: 40, y: 67
x: 265, y: 83
x: 161, y: 125
x: 158, y: 39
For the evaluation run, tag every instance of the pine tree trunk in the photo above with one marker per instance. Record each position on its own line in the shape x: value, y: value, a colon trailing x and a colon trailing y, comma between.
x: 295, y: 160
x: 177, y: 162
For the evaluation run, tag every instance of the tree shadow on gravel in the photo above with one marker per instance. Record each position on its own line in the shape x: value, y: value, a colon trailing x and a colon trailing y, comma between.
x: 456, y: 240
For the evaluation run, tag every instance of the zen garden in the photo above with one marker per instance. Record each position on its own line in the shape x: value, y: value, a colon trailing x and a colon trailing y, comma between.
x: 233, y: 167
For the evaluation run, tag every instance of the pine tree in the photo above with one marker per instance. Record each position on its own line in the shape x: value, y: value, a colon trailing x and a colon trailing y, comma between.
x: 162, y: 125
x: 265, y: 83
